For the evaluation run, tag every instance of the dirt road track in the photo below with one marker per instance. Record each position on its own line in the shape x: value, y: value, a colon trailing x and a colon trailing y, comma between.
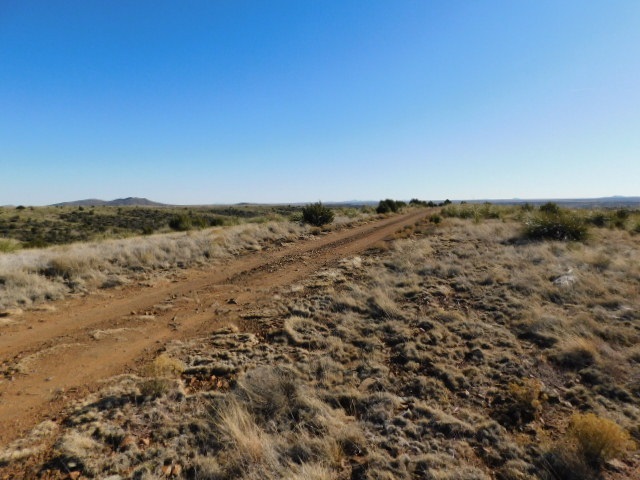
x: 55, y: 356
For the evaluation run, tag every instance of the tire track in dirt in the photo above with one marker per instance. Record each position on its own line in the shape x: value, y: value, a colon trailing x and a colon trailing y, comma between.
x: 53, y: 357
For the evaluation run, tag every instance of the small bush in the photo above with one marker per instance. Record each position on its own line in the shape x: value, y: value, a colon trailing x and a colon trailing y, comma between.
x: 556, y: 226
x: 165, y: 366
x: 435, y: 218
x: 159, y: 375
x: 576, y: 354
x: 317, y: 214
x: 550, y: 208
x: 183, y: 223
x: 154, y: 387
x: 8, y: 245
x: 388, y: 205
x: 527, y: 397
x: 598, y: 439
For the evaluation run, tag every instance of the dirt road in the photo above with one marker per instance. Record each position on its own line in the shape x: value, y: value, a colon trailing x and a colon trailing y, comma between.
x: 54, y: 356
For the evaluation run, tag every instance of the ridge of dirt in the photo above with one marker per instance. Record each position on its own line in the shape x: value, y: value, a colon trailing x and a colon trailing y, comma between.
x: 52, y: 357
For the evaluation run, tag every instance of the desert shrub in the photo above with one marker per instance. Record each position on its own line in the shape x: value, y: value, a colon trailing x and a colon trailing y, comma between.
x: 555, y: 226
x: 620, y: 217
x: 598, y: 219
x: 527, y: 398
x: 455, y: 211
x: 165, y: 366
x: 435, y: 218
x: 295, y: 217
x: 182, y: 223
x: 159, y: 375
x: 576, y: 354
x: 550, y: 208
x: 598, y: 439
x: 317, y: 214
x: 8, y: 245
x: 154, y: 387
x: 388, y: 205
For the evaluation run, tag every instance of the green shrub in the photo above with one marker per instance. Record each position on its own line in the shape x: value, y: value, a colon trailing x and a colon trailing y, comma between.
x: 388, y: 205
x: 8, y: 245
x: 550, y: 208
x: 317, y: 214
x: 555, y: 226
x: 181, y: 223
x: 184, y: 222
x: 599, y: 220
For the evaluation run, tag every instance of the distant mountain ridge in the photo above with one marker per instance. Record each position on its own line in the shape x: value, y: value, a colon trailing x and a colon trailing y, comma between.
x: 610, y: 202
x: 118, y: 202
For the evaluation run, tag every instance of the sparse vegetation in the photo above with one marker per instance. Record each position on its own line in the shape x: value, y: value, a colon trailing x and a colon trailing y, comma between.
x: 38, y: 227
x: 457, y: 352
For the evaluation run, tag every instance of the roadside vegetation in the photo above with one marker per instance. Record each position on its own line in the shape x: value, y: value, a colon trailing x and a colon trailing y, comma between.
x: 29, y: 276
x: 36, y: 227
x: 317, y: 214
x: 463, y: 349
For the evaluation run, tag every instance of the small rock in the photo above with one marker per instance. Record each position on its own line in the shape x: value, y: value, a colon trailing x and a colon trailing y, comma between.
x: 565, y: 280
x: 232, y: 301
x: 615, y: 465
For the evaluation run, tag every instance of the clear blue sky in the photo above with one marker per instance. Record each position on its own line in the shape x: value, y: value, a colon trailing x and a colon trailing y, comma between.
x: 225, y: 101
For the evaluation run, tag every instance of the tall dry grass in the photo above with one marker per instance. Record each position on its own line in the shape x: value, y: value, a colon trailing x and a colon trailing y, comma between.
x: 28, y: 277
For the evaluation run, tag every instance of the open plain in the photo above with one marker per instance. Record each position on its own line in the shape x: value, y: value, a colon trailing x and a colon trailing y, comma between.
x: 435, y: 343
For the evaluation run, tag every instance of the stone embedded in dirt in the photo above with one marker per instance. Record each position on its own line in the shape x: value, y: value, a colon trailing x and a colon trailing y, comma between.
x: 232, y: 301
x: 565, y: 280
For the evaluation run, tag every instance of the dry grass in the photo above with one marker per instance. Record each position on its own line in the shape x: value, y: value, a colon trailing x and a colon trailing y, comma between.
x: 32, y: 276
x: 462, y: 353
x: 598, y: 439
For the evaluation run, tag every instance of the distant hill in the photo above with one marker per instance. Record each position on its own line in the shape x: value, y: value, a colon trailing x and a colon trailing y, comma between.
x: 118, y: 202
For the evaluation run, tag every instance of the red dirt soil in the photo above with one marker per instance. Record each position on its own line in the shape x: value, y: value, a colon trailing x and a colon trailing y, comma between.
x: 62, y: 354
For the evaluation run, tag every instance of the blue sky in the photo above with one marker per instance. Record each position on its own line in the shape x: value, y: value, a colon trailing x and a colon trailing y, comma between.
x: 285, y: 101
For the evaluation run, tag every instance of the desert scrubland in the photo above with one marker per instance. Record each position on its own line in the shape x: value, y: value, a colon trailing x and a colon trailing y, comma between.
x: 478, y: 342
